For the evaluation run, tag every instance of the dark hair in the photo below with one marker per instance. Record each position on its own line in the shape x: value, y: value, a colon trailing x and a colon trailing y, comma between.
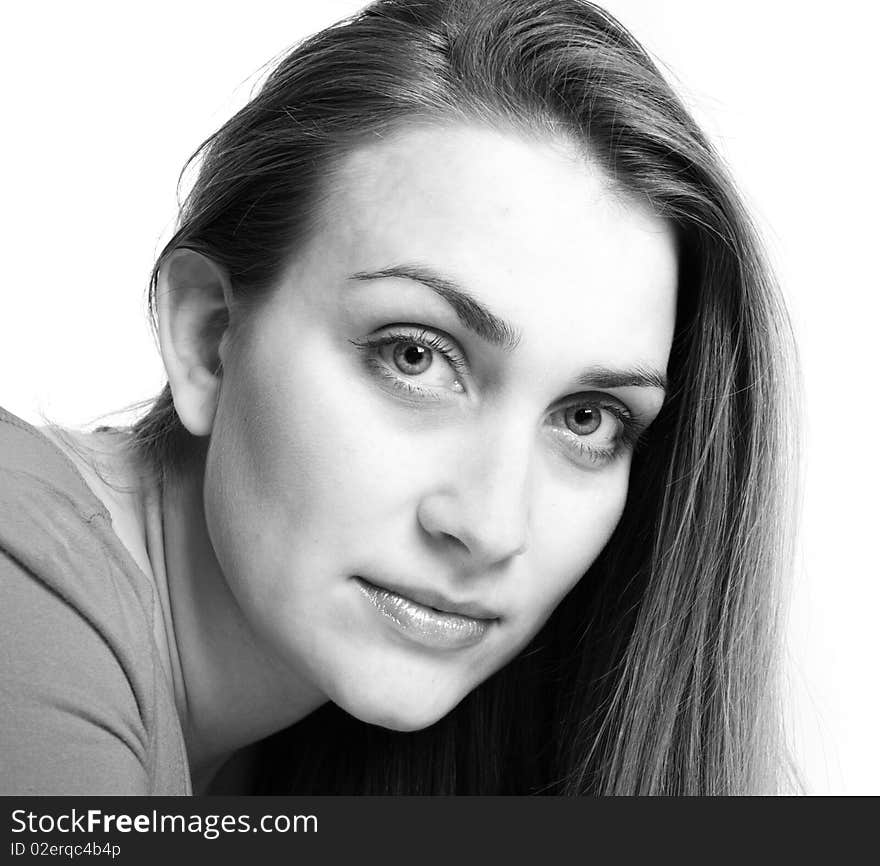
x: 657, y: 673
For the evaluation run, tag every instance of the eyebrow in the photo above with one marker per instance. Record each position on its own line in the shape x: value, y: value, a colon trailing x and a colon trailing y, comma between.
x: 495, y: 330
x: 637, y: 377
x: 471, y: 313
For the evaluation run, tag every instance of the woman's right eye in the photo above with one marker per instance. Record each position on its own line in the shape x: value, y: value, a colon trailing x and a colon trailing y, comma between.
x: 419, y: 363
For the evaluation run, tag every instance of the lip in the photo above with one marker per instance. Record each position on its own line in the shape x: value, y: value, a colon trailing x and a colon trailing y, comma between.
x: 436, y: 600
x: 413, y: 613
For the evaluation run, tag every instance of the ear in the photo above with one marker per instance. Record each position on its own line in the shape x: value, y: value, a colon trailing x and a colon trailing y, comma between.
x: 193, y: 294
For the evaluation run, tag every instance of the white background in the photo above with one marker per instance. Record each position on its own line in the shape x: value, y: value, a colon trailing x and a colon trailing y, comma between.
x: 103, y: 102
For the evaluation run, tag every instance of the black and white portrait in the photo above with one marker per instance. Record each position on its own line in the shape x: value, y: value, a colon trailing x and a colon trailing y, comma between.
x: 437, y: 397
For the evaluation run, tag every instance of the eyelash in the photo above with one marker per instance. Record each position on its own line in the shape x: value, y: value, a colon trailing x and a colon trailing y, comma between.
x: 421, y: 337
x: 630, y: 429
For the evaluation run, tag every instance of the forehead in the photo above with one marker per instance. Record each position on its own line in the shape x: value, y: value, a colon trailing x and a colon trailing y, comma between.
x: 532, y: 230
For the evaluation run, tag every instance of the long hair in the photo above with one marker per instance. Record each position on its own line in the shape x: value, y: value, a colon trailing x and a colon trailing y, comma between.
x: 658, y: 673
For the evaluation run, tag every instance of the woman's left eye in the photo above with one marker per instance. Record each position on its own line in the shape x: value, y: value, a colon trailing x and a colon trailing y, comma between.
x: 596, y: 428
x: 420, y: 363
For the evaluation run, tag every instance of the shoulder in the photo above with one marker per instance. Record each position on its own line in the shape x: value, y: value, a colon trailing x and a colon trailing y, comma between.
x: 79, y: 674
x: 28, y: 459
x: 55, y: 527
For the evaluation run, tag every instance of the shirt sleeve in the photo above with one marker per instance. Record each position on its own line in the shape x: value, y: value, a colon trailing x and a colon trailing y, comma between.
x: 69, y: 720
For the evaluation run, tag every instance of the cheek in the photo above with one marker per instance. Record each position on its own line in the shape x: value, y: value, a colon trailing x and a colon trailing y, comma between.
x: 573, y: 524
x: 313, y: 453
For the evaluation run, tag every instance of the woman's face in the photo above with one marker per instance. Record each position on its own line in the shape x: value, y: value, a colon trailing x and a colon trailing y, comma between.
x: 434, y: 412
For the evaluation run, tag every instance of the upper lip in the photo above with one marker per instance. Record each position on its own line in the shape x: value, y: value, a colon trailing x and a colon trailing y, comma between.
x: 432, y: 598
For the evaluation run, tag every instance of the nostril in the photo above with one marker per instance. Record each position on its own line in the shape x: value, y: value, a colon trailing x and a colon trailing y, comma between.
x: 487, y: 522
x: 453, y: 540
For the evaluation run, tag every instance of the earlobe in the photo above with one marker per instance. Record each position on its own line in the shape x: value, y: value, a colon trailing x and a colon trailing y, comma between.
x: 192, y: 299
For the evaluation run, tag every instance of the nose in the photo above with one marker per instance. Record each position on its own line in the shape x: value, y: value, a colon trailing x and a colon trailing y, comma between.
x: 482, y: 502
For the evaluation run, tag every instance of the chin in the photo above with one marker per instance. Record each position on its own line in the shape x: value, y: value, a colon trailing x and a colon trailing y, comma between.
x: 397, y: 714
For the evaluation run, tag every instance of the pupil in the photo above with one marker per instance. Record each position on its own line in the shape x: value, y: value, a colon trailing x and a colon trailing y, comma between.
x: 411, y: 358
x: 413, y: 355
x: 583, y: 420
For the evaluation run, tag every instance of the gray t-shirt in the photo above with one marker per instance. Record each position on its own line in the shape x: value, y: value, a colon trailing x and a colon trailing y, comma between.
x: 85, y: 706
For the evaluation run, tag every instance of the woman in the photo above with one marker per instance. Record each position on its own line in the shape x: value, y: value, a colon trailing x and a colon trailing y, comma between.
x: 470, y: 475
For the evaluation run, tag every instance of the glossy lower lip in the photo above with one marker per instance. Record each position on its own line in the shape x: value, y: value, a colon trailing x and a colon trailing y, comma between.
x: 425, y: 625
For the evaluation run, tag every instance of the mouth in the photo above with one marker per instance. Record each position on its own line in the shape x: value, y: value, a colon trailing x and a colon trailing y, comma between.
x: 429, y: 618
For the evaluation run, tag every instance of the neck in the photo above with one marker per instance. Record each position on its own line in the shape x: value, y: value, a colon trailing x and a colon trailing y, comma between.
x: 231, y: 689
